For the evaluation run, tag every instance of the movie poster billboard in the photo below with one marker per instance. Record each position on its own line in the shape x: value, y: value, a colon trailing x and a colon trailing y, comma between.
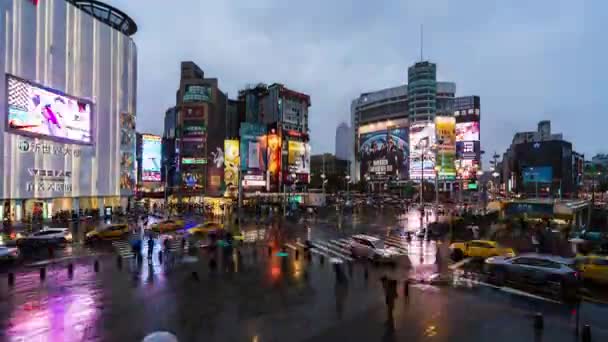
x: 537, y: 174
x: 298, y: 157
x: 252, y: 155
x: 446, y: 147
x: 384, y: 153
x: 127, y: 153
x: 231, y: 162
x: 38, y: 111
x: 467, y: 131
x: 422, y: 157
x: 151, y: 158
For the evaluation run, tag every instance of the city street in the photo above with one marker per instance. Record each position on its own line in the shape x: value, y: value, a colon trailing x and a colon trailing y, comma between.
x: 247, y: 294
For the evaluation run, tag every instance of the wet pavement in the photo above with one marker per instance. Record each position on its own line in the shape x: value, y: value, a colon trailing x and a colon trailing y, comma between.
x: 249, y: 294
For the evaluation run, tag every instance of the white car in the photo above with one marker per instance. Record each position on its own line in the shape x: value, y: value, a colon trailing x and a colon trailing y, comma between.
x: 46, y: 236
x: 9, y: 253
x: 365, y: 246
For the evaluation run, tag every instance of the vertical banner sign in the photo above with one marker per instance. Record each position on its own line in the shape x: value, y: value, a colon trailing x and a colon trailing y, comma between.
x: 127, y: 153
x: 446, y: 147
x: 274, y: 160
x: 231, y: 162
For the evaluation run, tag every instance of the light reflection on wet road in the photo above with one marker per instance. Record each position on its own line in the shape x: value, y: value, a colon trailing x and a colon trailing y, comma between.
x: 248, y: 295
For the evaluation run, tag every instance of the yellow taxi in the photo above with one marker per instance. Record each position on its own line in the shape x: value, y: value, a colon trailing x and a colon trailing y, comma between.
x: 111, y: 231
x: 167, y: 225
x: 478, y: 249
x: 205, y: 228
x: 593, y: 268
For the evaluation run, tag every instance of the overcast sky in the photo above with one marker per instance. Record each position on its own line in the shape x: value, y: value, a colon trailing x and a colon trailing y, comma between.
x: 528, y: 60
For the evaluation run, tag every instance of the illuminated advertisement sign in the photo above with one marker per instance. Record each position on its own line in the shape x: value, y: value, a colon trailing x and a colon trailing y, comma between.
x: 38, y: 111
x: 384, y: 153
x: 197, y: 93
x: 298, y: 157
x: 467, y: 168
x: 467, y: 149
x: 467, y: 131
x: 537, y: 174
x: 253, y: 154
x: 151, y: 158
x: 422, y: 157
x: 194, y: 128
x: 274, y: 159
x: 194, y: 161
x: 254, y: 181
x: 446, y: 148
x: 231, y: 162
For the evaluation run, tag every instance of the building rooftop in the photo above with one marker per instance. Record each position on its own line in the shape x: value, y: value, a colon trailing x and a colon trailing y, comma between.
x: 108, y: 15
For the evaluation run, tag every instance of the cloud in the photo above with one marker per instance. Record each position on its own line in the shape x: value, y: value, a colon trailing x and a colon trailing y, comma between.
x: 528, y: 60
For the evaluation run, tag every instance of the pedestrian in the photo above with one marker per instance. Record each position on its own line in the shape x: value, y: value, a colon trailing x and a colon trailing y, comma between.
x: 150, y: 247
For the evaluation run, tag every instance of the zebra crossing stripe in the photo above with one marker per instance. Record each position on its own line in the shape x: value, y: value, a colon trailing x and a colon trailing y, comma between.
x: 290, y: 246
x: 395, y: 239
x: 316, y: 251
x: 301, y: 245
x: 327, y: 250
x: 399, y: 249
x: 340, y: 243
x: 330, y: 245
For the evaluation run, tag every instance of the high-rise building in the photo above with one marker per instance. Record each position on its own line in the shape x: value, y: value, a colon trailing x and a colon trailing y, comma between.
x: 541, y: 164
x: 387, y: 117
x: 200, y: 130
x: 344, y: 142
x: 79, y: 58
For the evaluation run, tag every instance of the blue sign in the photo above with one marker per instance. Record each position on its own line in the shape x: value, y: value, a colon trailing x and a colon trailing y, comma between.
x: 514, y: 209
x: 537, y: 174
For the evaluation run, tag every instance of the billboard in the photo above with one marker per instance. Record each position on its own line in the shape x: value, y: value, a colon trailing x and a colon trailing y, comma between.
x: 298, y: 157
x: 467, y: 149
x: 151, y: 158
x: 197, y: 93
x: 422, y: 158
x: 467, y: 131
x: 252, y: 154
x: 537, y: 174
x: 38, y: 111
x: 446, y: 146
x: 384, y: 153
x: 467, y: 168
x: 231, y: 162
x: 274, y: 159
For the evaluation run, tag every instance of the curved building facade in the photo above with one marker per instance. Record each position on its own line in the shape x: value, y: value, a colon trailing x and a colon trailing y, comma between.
x: 68, y: 99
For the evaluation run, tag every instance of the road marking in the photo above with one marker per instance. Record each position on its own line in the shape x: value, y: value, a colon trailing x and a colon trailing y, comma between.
x: 459, y: 264
x: 337, y: 247
x: 299, y: 244
x: 320, y: 246
x: 291, y: 246
x: 397, y: 247
x: 511, y: 290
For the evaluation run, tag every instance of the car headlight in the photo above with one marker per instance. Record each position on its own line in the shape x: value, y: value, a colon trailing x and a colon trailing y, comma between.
x: 68, y: 236
x: 19, y: 236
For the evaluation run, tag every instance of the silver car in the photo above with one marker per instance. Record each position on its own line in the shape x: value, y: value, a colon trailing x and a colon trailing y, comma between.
x: 548, y: 272
x: 8, y: 253
x: 46, y: 236
x: 365, y: 246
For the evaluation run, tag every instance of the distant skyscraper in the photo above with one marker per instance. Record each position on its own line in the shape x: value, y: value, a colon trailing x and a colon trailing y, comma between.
x: 344, y: 141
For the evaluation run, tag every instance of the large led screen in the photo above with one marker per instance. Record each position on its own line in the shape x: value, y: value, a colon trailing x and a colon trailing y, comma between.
x: 384, y: 153
x: 299, y: 157
x: 422, y: 157
x: 537, y: 174
x: 43, y: 112
x: 150, y: 158
x: 467, y: 131
x: 446, y: 146
x: 252, y: 153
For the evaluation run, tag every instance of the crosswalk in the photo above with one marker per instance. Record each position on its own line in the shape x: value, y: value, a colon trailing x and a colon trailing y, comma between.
x: 124, y: 249
x: 340, y: 248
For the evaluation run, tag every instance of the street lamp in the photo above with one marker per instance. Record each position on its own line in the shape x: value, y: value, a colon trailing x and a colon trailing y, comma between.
x: 437, y: 168
x: 479, y: 175
x: 347, y: 186
x: 323, y: 181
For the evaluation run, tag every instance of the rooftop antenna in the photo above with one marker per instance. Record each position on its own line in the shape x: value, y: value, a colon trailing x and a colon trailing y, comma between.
x: 421, y: 42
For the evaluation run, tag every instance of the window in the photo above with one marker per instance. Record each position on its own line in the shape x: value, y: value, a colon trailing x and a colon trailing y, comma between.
x: 480, y: 244
x: 524, y: 261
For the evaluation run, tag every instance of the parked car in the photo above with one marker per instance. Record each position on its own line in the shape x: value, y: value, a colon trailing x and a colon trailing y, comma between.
x: 593, y: 268
x: 365, y: 246
x: 8, y: 254
x: 111, y: 231
x: 46, y: 236
x: 546, y: 272
x: 478, y: 249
